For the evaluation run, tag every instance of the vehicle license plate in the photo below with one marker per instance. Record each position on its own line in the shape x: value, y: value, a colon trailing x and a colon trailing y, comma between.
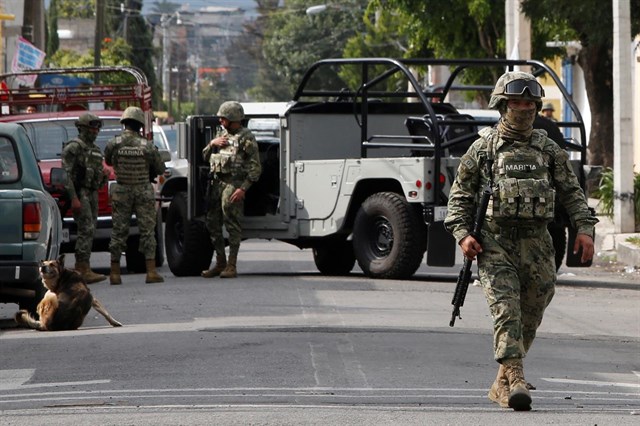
x: 439, y: 213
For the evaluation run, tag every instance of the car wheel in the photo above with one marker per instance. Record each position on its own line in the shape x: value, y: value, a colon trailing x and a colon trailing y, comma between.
x: 32, y: 303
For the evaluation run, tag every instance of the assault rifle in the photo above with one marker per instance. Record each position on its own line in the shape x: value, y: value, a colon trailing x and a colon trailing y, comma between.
x: 465, y: 273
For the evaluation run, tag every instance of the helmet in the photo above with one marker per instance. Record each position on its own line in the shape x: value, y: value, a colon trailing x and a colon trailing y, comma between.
x: 133, y: 113
x: 516, y: 85
x: 89, y: 120
x: 231, y: 110
x: 548, y: 106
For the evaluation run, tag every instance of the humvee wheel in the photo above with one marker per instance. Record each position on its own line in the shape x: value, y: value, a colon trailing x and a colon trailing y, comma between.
x: 334, y: 258
x: 386, y: 237
x: 188, y: 246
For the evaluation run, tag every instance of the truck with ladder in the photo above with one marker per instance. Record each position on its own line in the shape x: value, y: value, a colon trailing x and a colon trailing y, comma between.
x: 358, y: 165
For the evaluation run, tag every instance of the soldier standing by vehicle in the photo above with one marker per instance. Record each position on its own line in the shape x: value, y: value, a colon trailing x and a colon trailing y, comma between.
x: 82, y: 160
x: 235, y: 166
x: 515, y: 252
x: 136, y: 161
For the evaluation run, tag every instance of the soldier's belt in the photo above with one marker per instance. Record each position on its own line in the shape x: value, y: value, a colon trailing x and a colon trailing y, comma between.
x: 515, y: 232
x: 224, y: 177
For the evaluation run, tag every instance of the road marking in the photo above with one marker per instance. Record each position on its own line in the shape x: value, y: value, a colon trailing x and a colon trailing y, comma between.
x: 592, y: 382
x: 16, y: 379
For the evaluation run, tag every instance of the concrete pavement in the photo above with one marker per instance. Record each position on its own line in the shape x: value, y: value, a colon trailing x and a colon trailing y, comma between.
x: 616, y: 263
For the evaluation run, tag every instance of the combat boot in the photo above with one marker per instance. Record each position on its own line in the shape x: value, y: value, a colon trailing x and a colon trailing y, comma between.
x: 114, y: 276
x: 221, y: 263
x: 152, y: 274
x: 519, y: 396
x: 88, y: 275
x: 230, y: 271
x: 499, y: 392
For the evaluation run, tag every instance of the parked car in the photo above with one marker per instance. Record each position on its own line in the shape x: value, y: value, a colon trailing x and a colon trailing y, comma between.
x: 165, y: 137
x: 31, y: 225
x: 48, y: 135
x: 53, y: 124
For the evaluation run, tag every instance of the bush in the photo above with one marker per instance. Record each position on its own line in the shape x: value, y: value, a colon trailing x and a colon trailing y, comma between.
x: 605, y: 194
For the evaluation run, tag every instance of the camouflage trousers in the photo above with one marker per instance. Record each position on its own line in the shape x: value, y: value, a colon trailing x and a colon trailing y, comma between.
x: 518, y: 276
x: 222, y: 211
x: 126, y: 201
x: 85, y: 220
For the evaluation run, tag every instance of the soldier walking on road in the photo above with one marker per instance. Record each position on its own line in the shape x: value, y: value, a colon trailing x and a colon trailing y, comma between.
x: 235, y: 166
x: 515, y: 252
x: 136, y: 162
x: 82, y: 160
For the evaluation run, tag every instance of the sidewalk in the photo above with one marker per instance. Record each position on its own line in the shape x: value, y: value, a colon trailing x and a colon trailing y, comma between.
x: 616, y: 262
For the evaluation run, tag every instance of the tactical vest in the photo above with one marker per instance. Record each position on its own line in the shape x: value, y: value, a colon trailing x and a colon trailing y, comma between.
x: 522, y: 185
x: 230, y: 159
x: 130, y: 162
x: 87, y: 167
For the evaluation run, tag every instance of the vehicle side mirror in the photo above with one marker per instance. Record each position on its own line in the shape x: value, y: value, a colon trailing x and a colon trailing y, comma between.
x: 165, y: 155
x: 58, y: 178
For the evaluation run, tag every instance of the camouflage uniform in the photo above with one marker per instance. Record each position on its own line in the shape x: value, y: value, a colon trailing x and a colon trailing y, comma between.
x: 516, y: 265
x: 235, y: 166
x: 134, y: 159
x: 82, y: 160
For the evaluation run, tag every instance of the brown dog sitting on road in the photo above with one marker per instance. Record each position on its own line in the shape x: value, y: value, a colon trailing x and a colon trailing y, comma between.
x: 66, y: 303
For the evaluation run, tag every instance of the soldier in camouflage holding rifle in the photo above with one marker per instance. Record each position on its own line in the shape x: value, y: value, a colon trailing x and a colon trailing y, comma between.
x: 136, y: 162
x: 235, y: 166
x: 82, y: 160
x: 516, y: 261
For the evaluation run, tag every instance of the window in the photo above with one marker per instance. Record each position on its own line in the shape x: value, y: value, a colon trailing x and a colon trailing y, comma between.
x: 8, y: 162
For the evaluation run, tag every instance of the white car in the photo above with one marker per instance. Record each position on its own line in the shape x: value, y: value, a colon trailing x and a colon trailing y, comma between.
x: 165, y: 138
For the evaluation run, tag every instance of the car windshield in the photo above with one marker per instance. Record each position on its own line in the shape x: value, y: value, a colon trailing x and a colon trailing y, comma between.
x: 49, y: 136
x: 171, y: 133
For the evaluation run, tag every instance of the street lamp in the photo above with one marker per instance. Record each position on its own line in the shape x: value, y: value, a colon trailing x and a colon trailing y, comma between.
x: 314, y: 10
x: 165, y: 19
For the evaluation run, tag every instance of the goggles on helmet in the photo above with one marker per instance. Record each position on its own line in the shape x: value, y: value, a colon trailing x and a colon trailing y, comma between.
x: 518, y: 87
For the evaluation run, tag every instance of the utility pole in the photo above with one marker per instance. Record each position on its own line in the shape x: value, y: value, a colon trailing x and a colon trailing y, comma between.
x: 3, y: 53
x: 517, y: 31
x: 97, y: 49
x: 623, y: 197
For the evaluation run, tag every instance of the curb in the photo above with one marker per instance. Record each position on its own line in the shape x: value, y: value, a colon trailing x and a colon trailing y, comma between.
x: 628, y: 253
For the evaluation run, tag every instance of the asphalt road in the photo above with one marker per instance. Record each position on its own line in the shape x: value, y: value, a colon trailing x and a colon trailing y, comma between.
x: 282, y: 344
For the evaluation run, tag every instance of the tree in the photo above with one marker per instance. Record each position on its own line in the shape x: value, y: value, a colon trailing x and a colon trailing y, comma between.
x: 53, y: 42
x: 479, y: 32
x: 114, y: 52
x: 130, y: 24
x: 76, y: 8
x: 591, y: 22
x: 293, y: 41
x: 249, y: 64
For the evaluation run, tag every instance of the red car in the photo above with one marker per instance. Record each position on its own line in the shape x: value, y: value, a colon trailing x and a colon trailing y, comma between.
x: 53, y: 124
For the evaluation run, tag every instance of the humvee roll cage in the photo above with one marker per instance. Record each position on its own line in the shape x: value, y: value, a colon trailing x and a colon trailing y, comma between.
x: 431, y: 98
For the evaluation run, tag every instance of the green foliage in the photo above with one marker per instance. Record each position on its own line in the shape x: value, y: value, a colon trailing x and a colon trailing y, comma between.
x: 76, y: 8
x: 605, y: 194
x: 293, y: 41
x: 53, y: 42
x: 132, y: 26
x: 114, y: 52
